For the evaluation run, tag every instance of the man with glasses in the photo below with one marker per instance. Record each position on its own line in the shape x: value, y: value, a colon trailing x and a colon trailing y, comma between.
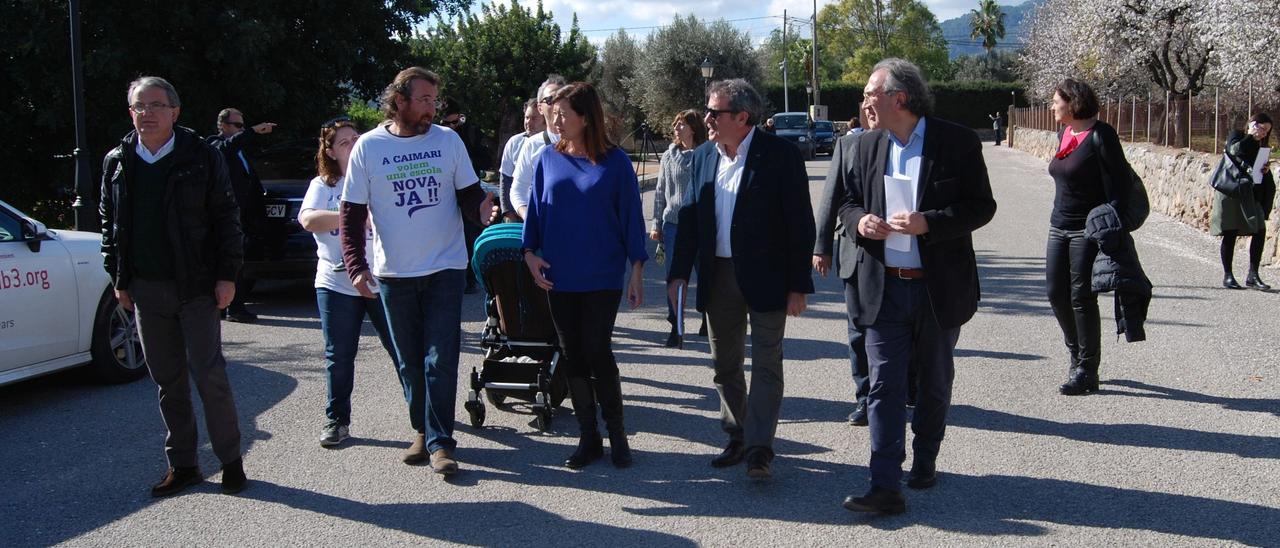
x: 172, y: 244
x: 916, y: 193
x: 527, y: 161
x: 414, y: 182
x: 748, y: 225
x: 232, y: 141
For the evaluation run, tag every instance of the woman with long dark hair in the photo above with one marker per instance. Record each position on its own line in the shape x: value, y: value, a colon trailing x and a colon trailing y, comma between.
x: 342, y: 309
x: 1233, y: 217
x: 1089, y: 170
x: 673, y: 182
x: 584, y: 226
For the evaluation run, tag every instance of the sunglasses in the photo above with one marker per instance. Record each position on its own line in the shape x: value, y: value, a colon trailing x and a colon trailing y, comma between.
x: 237, y: 125
x: 328, y: 124
x: 716, y: 113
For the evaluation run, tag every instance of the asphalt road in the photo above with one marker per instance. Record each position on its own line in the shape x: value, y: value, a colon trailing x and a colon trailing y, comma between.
x: 1181, y: 447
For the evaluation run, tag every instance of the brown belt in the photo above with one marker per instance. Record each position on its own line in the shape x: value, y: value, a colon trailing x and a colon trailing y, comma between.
x: 904, y: 273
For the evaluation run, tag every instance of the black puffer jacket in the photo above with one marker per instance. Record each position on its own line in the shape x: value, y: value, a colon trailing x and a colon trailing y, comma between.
x: 1118, y: 269
x: 201, y: 215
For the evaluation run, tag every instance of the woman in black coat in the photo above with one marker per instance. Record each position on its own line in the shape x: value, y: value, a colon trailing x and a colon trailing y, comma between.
x: 1089, y: 170
x: 1234, y: 217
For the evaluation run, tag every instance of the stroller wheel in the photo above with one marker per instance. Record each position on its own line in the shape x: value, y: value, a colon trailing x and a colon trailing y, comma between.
x: 475, y: 410
x: 495, y: 398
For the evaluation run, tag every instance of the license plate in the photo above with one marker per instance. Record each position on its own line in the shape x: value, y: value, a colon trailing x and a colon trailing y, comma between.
x: 276, y: 210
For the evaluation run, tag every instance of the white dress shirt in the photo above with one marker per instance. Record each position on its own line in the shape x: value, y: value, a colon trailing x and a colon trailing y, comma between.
x: 728, y: 177
x: 526, y: 164
x: 904, y: 163
x: 150, y: 158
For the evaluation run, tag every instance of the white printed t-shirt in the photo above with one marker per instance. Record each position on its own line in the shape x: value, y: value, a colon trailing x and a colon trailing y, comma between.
x: 323, y: 197
x: 409, y: 184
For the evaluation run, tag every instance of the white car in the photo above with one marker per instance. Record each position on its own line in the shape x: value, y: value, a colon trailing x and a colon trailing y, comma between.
x: 57, y: 309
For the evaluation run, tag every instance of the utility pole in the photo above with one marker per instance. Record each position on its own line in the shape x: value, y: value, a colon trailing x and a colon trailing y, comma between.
x: 814, y: 64
x: 786, y: 91
x: 86, y: 212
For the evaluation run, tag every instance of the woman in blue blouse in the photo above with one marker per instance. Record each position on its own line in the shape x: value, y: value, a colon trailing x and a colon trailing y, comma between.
x: 583, y: 228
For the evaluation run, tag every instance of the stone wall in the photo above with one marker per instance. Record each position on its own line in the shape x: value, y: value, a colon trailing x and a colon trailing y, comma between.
x: 1177, y: 181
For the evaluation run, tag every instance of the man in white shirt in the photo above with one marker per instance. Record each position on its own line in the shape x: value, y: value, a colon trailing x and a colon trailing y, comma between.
x: 533, y: 124
x: 749, y: 227
x: 415, y: 182
x: 531, y: 150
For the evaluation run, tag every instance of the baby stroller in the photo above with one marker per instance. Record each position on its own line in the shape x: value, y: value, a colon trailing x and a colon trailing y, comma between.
x: 521, y: 349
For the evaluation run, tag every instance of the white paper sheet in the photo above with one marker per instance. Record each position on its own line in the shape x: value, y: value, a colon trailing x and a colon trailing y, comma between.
x: 1264, y: 153
x: 899, y: 197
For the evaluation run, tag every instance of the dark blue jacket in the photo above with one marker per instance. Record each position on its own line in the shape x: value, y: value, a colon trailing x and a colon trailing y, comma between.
x: 772, y: 233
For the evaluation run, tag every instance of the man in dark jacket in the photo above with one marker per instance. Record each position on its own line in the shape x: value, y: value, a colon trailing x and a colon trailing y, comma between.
x: 748, y: 225
x: 919, y: 191
x: 172, y: 244
x: 233, y: 141
x: 456, y: 120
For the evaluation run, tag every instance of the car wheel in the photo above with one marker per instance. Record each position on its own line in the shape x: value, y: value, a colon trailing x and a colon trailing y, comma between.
x: 117, y: 347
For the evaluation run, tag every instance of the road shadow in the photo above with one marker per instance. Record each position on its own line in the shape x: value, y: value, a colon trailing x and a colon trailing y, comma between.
x: 502, y: 523
x: 1132, y: 435
x: 1249, y: 405
x: 997, y: 355
x: 1012, y: 285
x: 80, y: 456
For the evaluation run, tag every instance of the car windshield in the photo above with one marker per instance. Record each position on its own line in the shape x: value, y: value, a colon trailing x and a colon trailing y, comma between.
x: 822, y: 125
x: 794, y: 121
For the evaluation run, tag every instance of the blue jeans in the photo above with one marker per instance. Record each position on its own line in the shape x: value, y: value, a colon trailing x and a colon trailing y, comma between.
x: 341, y: 317
x: 904, y: 332
x: 425, y: 317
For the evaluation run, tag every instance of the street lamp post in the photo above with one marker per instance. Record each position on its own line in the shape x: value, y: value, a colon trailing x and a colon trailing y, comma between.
x: 808, y: 95
x: 85, y: 211
x: 708, y: 70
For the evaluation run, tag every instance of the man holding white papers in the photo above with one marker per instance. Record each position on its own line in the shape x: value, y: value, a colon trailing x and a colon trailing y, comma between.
x: 912, y: 203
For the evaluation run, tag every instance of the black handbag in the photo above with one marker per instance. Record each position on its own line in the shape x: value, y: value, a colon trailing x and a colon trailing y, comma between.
x: 1139, y: 203
x: 1229, y: 179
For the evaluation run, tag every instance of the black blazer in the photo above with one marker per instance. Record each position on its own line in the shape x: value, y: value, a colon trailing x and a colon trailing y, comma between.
x: 955, y: 198
x: 831, y: 234
x: 772, y: 231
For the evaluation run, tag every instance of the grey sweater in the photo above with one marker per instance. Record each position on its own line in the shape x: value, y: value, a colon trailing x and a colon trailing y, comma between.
x: 673, y: 181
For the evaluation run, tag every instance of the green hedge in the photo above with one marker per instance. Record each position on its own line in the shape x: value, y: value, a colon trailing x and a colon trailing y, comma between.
x: 965, y: 102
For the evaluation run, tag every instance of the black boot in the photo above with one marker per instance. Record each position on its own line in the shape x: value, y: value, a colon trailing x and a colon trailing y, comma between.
x: 1083, y: 380
x: 1229, y: 282
x: 1252, y: 280
x: 610, y: 393
x: 590, y: 446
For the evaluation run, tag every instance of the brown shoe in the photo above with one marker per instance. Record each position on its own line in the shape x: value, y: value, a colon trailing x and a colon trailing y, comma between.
x: 417, y: 452
x: 442, y: 462
x: 175, y: 480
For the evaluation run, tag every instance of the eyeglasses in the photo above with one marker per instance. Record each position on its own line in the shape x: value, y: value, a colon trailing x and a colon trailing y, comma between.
x: 237, y: 125
x: 714, y: 113
x: 429, y: 100
x: 140, y: 108
x: 330, y: 123
x: 880, y: 91
x: 547, y: 100
x: 452, y: 123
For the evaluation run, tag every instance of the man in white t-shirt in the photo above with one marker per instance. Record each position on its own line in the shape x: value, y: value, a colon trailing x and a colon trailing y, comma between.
x: 534, y: 124
x: 414, y: 181
x: 531, y: 150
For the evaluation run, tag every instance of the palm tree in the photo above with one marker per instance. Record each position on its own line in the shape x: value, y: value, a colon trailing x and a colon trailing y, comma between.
x: 987, y: 22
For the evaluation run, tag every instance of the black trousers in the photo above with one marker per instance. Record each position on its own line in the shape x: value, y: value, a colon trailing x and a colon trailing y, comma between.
x: 1228, y: 249
x: 584, y: 323
x: 1068, y: 276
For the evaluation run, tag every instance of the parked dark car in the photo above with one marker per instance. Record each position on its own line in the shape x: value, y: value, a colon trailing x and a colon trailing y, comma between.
x: 288, y: 251
x: 796, y: 128
x: 824, y: 136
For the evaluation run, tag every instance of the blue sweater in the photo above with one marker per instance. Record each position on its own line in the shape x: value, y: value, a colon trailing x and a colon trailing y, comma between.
x: 585, y: 220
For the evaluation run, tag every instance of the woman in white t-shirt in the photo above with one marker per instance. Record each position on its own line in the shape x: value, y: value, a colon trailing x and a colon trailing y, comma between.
x: 342, y: 309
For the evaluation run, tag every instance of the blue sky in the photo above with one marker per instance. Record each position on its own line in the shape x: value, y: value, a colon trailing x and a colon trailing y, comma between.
x: 600, y: 18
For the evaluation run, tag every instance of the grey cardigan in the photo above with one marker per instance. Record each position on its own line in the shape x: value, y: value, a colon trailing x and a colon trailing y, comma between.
x: 673, y: 182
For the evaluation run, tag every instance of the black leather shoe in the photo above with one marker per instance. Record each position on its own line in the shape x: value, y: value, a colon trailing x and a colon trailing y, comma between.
x: 233, y: 478
x: 175, y: 480
x: 922, y: 478
x: 673, y: 340
x: 1229, y: 282
x: 731, y: 455
x: 758, y: 463
x: 1082, y: 381
x: 590, y: 448
x: 878, y: 500
x: 859, y: 415
x: 1252, y: 280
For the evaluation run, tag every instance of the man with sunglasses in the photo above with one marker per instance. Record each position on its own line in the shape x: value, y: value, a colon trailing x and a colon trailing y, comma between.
x: 233, y: 142
x: 748, y: 225
x: 531, y: 151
